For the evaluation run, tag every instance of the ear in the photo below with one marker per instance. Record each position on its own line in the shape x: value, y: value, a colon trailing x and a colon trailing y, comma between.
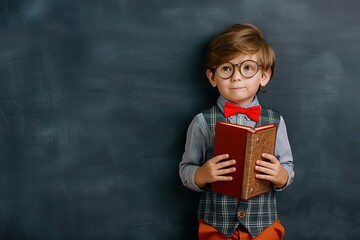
x: 265, y: 77
x: 211, y: 76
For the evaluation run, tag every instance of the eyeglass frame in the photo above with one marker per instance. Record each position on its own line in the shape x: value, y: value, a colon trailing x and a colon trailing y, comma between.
x: 238, y: 65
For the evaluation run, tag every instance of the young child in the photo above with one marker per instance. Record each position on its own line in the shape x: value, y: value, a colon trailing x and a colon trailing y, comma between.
x: 239, y: 63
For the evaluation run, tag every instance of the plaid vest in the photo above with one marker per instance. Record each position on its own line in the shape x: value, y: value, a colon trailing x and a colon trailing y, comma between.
x: 225, y: 212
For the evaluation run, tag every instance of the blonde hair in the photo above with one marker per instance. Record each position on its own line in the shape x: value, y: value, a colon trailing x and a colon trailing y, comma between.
x: 240, y: 39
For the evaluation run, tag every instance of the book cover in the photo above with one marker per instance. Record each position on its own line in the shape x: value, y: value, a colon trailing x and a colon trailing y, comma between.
x: 245, y: 145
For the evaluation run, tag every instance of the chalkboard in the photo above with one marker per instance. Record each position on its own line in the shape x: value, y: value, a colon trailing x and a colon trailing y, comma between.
x: 96, y: 97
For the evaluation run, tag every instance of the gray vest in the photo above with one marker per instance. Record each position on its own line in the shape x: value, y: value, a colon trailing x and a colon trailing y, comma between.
x: 225, y: 212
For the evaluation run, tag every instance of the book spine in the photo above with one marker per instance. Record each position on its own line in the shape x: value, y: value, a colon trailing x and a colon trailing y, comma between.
x: 248, y: 167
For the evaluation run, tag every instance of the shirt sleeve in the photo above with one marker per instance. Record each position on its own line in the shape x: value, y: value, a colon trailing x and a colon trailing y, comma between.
x: 197, y: 141
x: 283, y: 152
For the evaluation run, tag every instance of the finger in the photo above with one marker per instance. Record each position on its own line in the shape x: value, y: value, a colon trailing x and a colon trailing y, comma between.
x: 264, y: 170
x: 264, y: 164
x: 220, y: 157
x: 226, y: 171
x: 225, y: 164
x: 269, y: 157
x: 224, y: 178
x: 263, y: 177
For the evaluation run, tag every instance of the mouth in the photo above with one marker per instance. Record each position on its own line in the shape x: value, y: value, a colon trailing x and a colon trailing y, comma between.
x: 237, y: 88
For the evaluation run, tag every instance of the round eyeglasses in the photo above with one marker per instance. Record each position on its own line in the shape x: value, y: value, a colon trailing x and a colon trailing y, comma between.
x: 248, y: 69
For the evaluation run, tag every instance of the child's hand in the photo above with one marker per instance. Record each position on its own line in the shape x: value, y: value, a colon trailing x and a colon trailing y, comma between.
x: 214, y: 170
x: 272, y: 170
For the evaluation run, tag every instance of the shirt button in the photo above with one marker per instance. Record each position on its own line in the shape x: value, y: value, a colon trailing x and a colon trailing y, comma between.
x: 241, y: 214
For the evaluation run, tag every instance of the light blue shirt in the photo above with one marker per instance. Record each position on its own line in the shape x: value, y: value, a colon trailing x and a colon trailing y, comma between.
x: 199, y: 139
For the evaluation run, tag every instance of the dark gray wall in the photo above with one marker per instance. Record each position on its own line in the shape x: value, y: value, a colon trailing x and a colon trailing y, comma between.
x: 96, y: 96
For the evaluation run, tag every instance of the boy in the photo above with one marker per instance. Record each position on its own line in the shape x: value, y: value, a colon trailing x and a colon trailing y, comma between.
x: 239, y: 63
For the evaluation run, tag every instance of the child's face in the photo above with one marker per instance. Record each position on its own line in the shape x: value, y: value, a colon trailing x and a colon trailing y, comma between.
x: 237, y: 88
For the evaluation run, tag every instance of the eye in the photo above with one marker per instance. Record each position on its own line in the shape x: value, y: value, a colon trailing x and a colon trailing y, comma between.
x: 226, y: 69
x: 248, y: 67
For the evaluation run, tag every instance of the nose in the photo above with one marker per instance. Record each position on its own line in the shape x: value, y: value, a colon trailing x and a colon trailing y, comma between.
x: 236, y: 75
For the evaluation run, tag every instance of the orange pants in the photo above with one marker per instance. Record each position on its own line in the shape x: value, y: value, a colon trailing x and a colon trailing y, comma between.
x: 275, y: 231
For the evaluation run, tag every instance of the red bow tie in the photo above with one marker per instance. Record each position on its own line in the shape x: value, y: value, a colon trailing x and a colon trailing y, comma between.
x: 231, y: 109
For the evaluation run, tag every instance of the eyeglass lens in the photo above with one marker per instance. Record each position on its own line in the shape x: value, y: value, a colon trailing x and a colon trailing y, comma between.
x: 248, y: 69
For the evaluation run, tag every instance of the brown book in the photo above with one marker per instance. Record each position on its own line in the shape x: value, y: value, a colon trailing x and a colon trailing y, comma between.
x: 245, y: 145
